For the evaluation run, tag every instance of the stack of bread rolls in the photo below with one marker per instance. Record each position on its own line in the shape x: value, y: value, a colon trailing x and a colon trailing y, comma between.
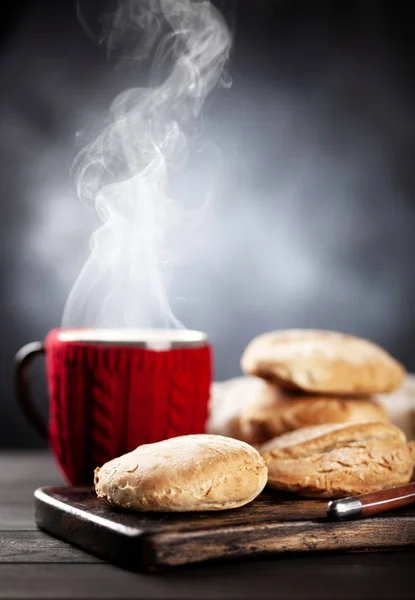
x: 328, y: 386
x: 310, y: 377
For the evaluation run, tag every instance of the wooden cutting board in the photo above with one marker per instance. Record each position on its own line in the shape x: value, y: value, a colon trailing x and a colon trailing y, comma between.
x: 270, y: 524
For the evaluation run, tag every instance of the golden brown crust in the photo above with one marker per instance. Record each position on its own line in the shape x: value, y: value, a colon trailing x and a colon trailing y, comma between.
x: 186, y: 473
x: 331, y: 461
x: 274, y: 411
x: 324, y: 362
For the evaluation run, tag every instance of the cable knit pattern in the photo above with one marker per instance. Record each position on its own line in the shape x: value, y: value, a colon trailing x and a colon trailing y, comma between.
x: 107, y: 400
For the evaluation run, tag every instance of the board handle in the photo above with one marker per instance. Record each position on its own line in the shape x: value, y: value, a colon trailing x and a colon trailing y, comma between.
x: 374, y: 503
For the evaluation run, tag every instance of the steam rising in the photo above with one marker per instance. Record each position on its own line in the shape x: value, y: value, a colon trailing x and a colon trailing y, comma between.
x: 125, y: 171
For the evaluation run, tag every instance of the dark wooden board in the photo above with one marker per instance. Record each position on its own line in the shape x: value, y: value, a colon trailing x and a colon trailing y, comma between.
x: 271, y: 524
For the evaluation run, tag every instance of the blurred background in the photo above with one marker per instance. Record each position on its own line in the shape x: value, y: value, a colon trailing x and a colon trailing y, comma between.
x: 311, y: 221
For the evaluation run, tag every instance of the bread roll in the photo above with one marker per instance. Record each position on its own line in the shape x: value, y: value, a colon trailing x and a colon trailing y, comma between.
x: 323, y: 362
x: 332, y: 461
x: 186, y: 473
x: 274, y: 411
x: 254, y: 410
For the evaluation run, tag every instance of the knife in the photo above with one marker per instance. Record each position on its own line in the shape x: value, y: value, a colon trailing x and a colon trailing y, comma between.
x: 374, y: 503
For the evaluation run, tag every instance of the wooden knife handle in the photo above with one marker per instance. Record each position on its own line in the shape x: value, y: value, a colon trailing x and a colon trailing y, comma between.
x: 374, y: 503
x: 378, y: 502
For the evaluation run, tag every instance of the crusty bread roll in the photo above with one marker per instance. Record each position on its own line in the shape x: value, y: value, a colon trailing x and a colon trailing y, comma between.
x: 331, y: 461
x: 230, y: 398
x: 254, y: 410
x: 324, y: 362
x: 274, y: 411
x: 186, y: 473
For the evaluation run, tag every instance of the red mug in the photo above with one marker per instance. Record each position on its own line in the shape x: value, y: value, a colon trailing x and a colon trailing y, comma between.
x: 112, y: 390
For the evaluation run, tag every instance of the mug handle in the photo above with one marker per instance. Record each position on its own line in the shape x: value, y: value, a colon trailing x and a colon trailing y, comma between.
x: 22, y: 362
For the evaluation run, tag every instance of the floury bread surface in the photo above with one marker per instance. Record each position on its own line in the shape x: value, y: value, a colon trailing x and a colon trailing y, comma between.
x: 324, y: 362
x: 331, y: 461
x: 258, y: 411
x: 187, y: 473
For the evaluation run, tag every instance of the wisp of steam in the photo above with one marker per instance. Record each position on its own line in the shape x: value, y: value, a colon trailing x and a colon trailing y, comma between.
x: 125, y: 170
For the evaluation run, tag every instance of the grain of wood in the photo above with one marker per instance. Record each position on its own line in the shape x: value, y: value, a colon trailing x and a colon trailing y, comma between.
x: 21, y: 468
x: 17, y: 517
x: 360, y: 576
x: 22, y: 473
x: 36, y: 546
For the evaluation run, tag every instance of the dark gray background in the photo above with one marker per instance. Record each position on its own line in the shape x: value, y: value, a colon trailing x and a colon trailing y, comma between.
x: 313, y: 216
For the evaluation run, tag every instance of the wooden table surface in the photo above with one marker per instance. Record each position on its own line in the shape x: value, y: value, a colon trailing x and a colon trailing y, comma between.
x: 35, y: 565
